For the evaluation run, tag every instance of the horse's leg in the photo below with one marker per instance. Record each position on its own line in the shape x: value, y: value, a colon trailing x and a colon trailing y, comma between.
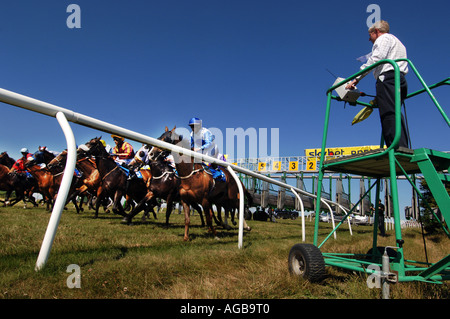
x: 138, y: 207
x: 187, y: 220
x: 31, y: 199
x: 169, y: 207
x: 208, y: 213
x: 225, y: 224
x: 217, y: 219
x: 117, y: 208
x: 246, y: 226
x: 199, y: 211
x: 98, y: 201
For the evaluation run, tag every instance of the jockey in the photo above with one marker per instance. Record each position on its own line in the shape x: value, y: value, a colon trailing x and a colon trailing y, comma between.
x: 202, y: 140
x: 19, y: 165
x: 123, y: 152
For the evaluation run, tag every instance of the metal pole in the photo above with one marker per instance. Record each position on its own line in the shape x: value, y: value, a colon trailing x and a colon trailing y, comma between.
x: 62, y: 193
x: 302, y: 210
x: 241, y: 207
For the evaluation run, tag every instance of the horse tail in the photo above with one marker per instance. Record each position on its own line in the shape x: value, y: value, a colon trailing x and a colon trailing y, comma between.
x: 248, y: 195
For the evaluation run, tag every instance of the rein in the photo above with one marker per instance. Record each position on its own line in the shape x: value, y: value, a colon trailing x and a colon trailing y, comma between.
x: 192, y: 173
x: 163, y: 174
x: 110, y: 172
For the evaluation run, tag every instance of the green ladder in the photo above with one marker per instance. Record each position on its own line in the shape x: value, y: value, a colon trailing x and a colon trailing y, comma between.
x: 427, y: 160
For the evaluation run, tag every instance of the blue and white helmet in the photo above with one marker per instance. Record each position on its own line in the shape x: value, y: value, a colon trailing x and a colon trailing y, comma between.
x: 195, y: 121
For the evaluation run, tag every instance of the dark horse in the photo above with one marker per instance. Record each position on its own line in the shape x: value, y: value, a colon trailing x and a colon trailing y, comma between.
x: 113, y: 179
x: 197, y: 185
x: 223, y: 194
x: 23, y: 186
x: 163, y: 184
x: 49, y: 177
x: 89, y: 180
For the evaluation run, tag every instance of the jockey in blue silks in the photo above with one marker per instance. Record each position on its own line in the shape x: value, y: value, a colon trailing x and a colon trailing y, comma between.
x: 202, y: 141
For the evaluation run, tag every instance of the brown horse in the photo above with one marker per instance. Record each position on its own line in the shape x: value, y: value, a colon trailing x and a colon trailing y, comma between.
x: 9, y: 182
x: 89, y: 180
x: 113, y: 179
x: 197, y: 185
x: 24, y: 187
x: 163, y: 184
x: 227, y: 197
x: 49, y: 178
x: 6, y: 160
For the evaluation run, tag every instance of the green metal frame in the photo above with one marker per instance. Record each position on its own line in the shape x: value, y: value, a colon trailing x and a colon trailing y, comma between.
x: 406, y: 270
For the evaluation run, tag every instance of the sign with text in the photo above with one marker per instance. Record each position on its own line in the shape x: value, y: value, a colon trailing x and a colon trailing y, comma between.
x: 339, y: 151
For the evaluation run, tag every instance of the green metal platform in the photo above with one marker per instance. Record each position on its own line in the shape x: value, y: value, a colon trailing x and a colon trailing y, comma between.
x: 389, y: 163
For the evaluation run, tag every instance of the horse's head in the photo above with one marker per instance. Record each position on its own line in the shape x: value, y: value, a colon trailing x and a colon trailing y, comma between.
x: 95, y: 147
x: 42, y: 156
x: 169, y: 136
x: 6, y: 160
x: 59, y: 161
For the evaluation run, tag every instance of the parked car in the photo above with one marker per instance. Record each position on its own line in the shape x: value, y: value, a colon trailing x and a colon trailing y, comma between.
x: 361, y: 220
x: 326, y: 217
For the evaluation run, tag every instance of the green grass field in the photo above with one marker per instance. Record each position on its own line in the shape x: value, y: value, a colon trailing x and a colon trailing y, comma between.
x: 148, y: 260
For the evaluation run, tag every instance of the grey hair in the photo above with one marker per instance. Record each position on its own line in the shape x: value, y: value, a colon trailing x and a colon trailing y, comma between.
x: 381, y: 25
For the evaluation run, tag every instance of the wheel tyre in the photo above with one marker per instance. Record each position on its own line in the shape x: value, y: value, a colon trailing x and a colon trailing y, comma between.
x: 306, y: 261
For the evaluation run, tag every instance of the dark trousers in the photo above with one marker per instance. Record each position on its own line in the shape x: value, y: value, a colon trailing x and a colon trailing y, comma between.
x: 386, y: 104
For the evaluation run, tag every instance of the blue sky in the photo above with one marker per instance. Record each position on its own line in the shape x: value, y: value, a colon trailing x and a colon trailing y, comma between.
x: 143, y: 65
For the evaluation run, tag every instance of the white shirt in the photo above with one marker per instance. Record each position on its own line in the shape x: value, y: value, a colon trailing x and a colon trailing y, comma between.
x: 386, y: 46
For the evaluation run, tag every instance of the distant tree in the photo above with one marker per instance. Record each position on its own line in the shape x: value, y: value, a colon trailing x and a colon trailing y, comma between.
x: 430, y: 223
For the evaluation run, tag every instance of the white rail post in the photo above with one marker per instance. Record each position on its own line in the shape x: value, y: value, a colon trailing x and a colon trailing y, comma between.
x: 241, y: 207
x: 303, y: 212
x: 349, y: 220
x: 62, y: 193
x: 332, y: 216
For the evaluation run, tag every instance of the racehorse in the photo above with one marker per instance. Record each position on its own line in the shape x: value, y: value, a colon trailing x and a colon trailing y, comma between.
x: 228, y: 197
x: 89, y: 180
x: 49, y: 177
x: 42, y: 156
x: 6, y: 160
x: 114, y: 181
x: 197, y: 185
x: 163, y: 183
x: 7, y: 184
x: 22, y: 186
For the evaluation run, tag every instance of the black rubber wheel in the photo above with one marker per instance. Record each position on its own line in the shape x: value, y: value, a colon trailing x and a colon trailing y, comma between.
x: 306, y: 261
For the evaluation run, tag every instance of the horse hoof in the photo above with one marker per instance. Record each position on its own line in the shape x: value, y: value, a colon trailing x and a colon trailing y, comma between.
x: 216, y: 238
x: 248, y: 228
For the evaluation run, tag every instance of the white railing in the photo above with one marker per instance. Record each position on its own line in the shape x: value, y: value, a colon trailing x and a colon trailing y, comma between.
x: 63, y: 115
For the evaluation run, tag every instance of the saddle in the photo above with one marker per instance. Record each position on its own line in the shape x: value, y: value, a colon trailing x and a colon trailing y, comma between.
x: 130, y: 174
x: 216, y: 173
